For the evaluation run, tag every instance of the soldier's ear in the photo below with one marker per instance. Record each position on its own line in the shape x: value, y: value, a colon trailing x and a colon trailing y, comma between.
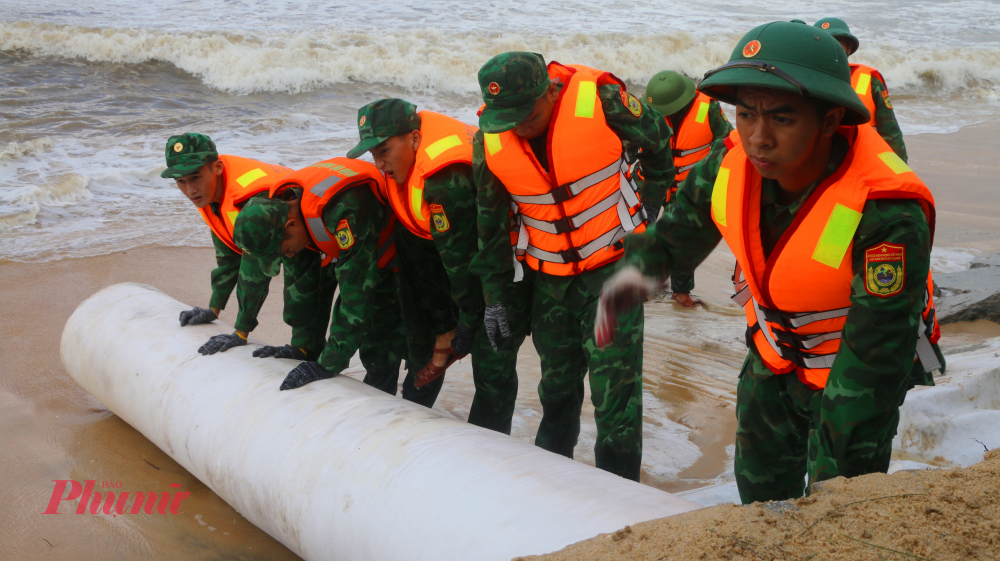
x: 217, y: 167
x: 415, y: 140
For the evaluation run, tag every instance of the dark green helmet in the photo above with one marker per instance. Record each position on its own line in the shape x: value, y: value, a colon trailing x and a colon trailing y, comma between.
x: 838, y: 29
x: 668, y: 92
x: 791, y: 57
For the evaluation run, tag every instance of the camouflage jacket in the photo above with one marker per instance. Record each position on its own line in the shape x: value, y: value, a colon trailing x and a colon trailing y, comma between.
x: 647, y: 135
x: 885, y: 119
x: 879, y: 338
x: 356, y: 272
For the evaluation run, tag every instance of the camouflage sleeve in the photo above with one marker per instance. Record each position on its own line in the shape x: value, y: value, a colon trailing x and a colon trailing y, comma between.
x: 685, y: 234
x: 885, y: 119
x: 646, y: 131
x: 717, y: 121
x: 494, y: 261
x: 451, y: 196
x: 355, y: 217
x: 251, y: 291
x: 224, y: 275
x: 873, y: 367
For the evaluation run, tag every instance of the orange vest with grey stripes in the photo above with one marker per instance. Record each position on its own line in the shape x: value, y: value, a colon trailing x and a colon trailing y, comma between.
x: 796, y: 300
x: 443, y: 141
x: 242, y: 178
x: 691, y: 140
x: 323, y: 181
x: 572, y: 217
x: 861, y: 81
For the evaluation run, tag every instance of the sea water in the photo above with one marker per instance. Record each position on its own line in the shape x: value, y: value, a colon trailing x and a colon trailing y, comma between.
x: 92, y: 91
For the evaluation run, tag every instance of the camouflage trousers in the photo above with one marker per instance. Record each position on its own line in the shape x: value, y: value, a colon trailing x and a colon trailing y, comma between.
x: 786, y: 430
x: 563, y: 334
x: 681, y: 282
x: 308, y: 298
x: 383, y: 347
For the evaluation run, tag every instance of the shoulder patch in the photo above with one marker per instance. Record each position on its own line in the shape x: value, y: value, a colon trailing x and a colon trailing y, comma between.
x: 345, y: 238
x: 632, y: 103
x: 440, y: 219
x: 885, y: 98
x: 885, y: 269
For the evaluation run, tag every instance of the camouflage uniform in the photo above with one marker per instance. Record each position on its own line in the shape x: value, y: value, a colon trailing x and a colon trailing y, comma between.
x: 563, y: 307
x: 785, y: 429
x: 434, y: 269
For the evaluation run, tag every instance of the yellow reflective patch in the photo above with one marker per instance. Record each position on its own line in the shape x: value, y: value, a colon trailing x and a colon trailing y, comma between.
x: 864, y: 81
x: 232, y: 216
x: 493, y: 144
x: 836, y: 236
x: 719, y: 196
x: 586, y: 97
x: 416, y: 202
x: 250, y: 176
x: 446, y: 143
x: 702, y: 112
x: 894, y: 162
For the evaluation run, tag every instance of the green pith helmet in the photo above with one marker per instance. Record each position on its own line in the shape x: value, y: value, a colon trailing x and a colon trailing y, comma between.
x: 258, y: 231
x: 791, y: 57
x: 380, y: 120
x: 668, y: 92
x: 511, y: 84
x: 186, y: 153
x: 838, y: 29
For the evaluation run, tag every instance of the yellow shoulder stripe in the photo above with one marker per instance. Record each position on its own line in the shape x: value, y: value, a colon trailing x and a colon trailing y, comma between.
x: 232, y: 216
x: 864, y: 81
x: 586, y: 97
x: 702, y: 112
x: 250, y: 176
x: 439, y: 147
x: 492, y: 141
x: 894, y: 162
x: 837, y: 236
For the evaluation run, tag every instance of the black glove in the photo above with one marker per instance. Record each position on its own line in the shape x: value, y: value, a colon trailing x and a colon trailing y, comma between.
x: 303, y: 374
x: 219, y: 343
x: 652, y: 213
x: 197, y: 316
x: 286, y: 351
x: 495, y: 320
x: 462, y: 343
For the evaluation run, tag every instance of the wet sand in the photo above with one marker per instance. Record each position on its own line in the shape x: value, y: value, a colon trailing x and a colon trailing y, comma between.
x: 50, y: 429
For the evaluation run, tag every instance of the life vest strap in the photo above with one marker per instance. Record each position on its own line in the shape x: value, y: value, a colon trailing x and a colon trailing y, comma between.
x: 681, y: 153
x: 568, y: 224
x: 743, y: 296
x: 798, y: 341
x: 790, y: 320
x: 575, y: 254
x: 566, y: 192
x: 682, y: 169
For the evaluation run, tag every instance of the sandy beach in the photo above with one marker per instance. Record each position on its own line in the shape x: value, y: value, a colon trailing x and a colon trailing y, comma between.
x: 52, y: 430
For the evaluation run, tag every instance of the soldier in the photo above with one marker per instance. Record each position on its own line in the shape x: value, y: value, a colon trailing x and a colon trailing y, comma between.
x: 870, y: 87
x: 697, y: 120
x: 575, y: 202
x: 832, y: 234
x: 219, y: 186
x: 331, y: 210
x: 427, y: 160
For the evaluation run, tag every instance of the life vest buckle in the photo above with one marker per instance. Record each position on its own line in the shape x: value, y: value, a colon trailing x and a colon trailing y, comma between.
x: 561, y: 194
x: 563, y: 225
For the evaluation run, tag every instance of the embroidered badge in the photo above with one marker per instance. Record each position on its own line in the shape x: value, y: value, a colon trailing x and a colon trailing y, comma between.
x: 826, y: 25
x: 494, y: 88
x: 885, y: 98
x: 751, y: 49
x: 440, y: 219
x: 633, y: 104
x: 178, y: 147
x: 885, y: 266
x: 361, y: 123
x: 345, y: 238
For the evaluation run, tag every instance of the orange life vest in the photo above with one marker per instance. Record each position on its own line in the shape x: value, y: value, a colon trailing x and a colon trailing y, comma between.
x: 242, y: 178
x: 443, y: 141
x: 571, y: 218
x: 861, y: 81
x: 320, y: 183
x: 797, y: 300
x: 691, y: 140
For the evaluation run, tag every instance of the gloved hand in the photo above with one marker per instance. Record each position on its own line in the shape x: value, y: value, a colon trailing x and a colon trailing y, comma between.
x: 219, y: 343
x: 197, y: 316
x: 495, y: 320
x: 652, y: 213
x: 303, y: 374
x: 462, y: 343
x: 286, y: 351
x: 622, y: 292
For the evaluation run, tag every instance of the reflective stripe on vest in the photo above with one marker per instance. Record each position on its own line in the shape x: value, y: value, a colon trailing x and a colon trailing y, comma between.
x: 861, y: 81
x: 585, y: 202
x: 800, y: 329
x: 243, y: 178
x: 691, y: 140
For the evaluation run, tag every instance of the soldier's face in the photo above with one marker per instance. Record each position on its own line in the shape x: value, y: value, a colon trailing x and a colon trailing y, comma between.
x: 537, y: 122
x: 845, y: 44
x: 202, y: 187
x: 784, y: 135
x: 395, y: 156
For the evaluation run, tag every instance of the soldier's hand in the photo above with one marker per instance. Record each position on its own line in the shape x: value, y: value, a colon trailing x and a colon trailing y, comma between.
x: 219, y: 343
x: 286, y: 351
x: 303, y: 374
x: 622, y: 292
x: 196, y: 316
x: 652, y: 213
x: 462, y: 343
x: 495, y: 320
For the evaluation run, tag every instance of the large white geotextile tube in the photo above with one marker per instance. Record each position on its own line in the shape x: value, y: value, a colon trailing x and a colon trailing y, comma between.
x: 336, y: 469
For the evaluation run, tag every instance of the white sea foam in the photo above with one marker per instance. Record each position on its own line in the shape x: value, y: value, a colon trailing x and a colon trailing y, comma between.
x: 950, y: 260
x: 15, y: 150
